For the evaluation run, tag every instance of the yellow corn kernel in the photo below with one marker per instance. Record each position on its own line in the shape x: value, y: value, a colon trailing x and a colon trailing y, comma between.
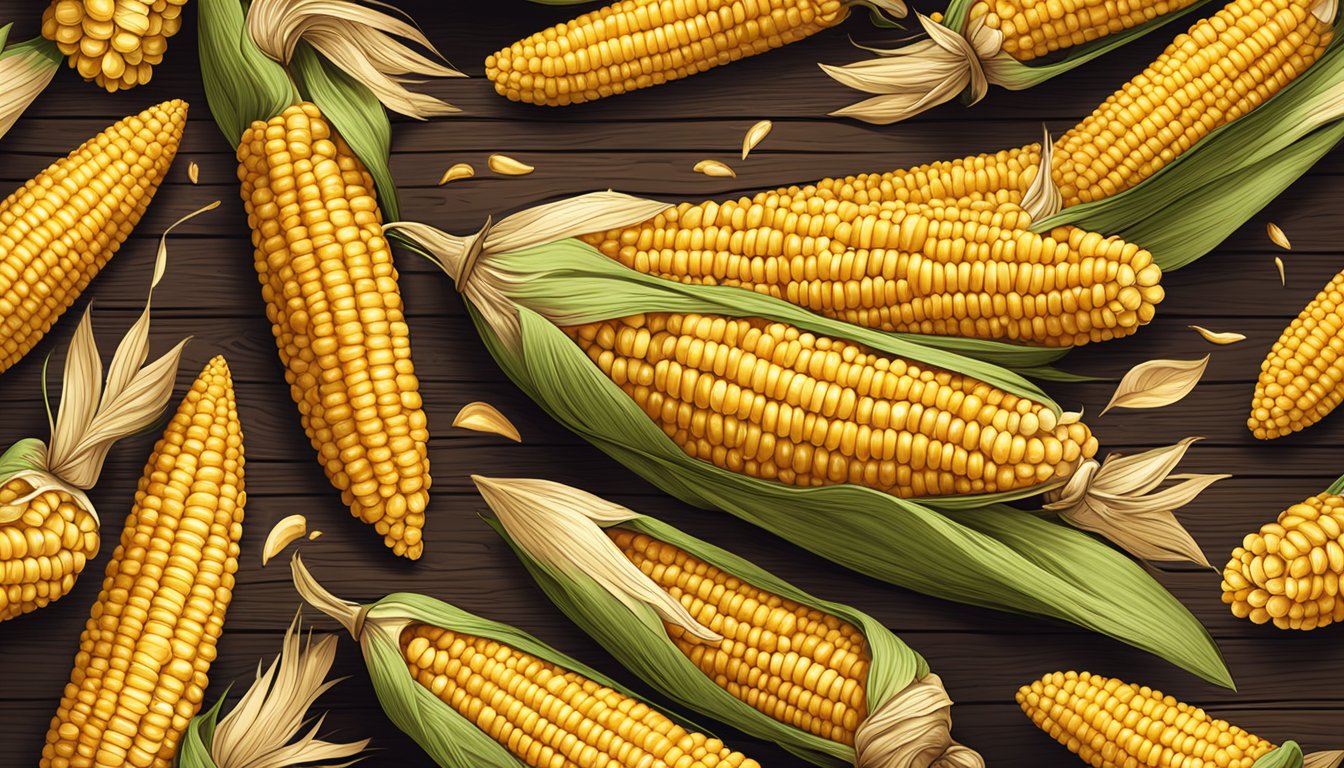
x: 56, y: 232
x: 1034, y: 28
x: 331, y: 292
x: 549, y: 717
x: 1110, y: 724
x: 114, y: 43
x: 775, y: 402
x: 44, y: 549
x: 1302, y: 378
x: 798, y: 665
x: 637, y: 44
x: 1289, y: 571
x: 145, y: 652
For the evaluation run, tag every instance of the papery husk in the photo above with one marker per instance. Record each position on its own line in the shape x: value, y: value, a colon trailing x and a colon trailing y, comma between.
x: 25, y: 69
x: 1290, y: 755
x: 94, y: 413
x: 450, y: 739
x: 960, y: 57
x: 557, y: 531
x: 266, y: 728
x: 523, y: 280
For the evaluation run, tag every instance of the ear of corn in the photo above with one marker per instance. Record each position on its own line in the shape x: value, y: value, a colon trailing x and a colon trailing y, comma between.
x: 115, y: 43
x: 1302, y: 378
x: 44, y: 546
x: 473, y: 692
x: 725, y: 638
x: 141, y: 670
x: 1032, y: 30
x: 636, y: 44
x: 1110, y: 723
x: 525, y: 286
x: 54, y: 238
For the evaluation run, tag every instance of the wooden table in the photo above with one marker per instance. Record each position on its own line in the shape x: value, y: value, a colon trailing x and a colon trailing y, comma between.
x: 1291, y: 685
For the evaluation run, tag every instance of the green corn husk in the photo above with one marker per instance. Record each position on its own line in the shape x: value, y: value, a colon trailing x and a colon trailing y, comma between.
x: 449, y: 738
x: 25, y: 68
x: 962, y: 59
x: 556, y: 531
x: 972, y: 549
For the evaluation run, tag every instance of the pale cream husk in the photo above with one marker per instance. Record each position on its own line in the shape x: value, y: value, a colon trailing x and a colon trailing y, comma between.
x: 359, y: 40
x: 94, y: 413
x: 25, y: 75
x: 1157, y: 383
x: 562, y: 527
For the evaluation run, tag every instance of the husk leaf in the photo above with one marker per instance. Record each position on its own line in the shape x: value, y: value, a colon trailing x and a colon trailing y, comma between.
x: 1157, y: 383
x: 449, y: 739
x: 1290, y: 756
x: 484, y: 417
x: 242, y: 86
x: 908, y: 725
x: 25, y: 69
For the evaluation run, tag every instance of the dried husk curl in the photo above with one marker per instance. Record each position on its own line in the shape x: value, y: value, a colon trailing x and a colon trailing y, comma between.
x: 524, y: 279
x: 94, y: 413
x: 25, y: 69
x: 557, y: 531
x: 450, y: 739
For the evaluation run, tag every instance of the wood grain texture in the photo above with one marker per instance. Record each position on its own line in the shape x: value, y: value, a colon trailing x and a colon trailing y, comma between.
x: 645, y: 143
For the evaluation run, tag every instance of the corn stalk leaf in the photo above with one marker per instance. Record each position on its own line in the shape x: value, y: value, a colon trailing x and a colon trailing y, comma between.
x: 242, y: 86
x: 195, y: 750
x: 356, y: 113
x: 985, y: 554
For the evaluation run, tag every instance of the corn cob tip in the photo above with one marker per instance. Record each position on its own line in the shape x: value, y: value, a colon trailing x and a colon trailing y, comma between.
x: 1301, y: 379
x: 1288, y: 572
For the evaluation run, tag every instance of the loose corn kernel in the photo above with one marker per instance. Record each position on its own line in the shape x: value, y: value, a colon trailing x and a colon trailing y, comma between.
x: 1302, y: 378
x: 547, y: 716
x: 332, y: 298
x: 1113, y: 725
x: 145, y: 652
x: 44, y: 549
x: 115, y: 43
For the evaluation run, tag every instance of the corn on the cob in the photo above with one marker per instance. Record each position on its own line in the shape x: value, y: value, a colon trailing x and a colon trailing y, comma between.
x: 1032, y: 29
x: 1302, y: 378
x: 332, y: 298
x: 58, y: 230
x: 1110, y: 724
x: 141, y: 670
x: 637, y: 44
x: 1289, y: 571
x: 43, y: 549
x: 115, y: 43
x: 771, y: 401
x: 547, y: 715
x: 969, y: 269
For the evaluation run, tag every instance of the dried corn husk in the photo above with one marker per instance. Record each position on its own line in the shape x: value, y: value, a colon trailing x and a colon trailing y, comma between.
x: 25, y: 69
x: 484, y: 417
x: 963, y: 58
x: 1157, y: 383
x: 450, y: 739
x: 94, y: 413
x: 263, y: 728
x: 522, y: 280
x: 556, y: 531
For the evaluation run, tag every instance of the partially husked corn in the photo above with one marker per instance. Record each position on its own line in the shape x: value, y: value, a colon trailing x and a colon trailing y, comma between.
x: 332, y: 298
x: 970, y: 269
x: 1225, y: 66
x: 637, y: 44
x: 115, y: 43
x: 1110, y: 724
x: 772, y: 401
x: 145, y: 652
x: 43, y: 549
x: 1289, y: 571
x: 1035, y: 28
x: 1302, y: 378
x: 796, y: 664
x: 59, y: 229
x: 547, y: 716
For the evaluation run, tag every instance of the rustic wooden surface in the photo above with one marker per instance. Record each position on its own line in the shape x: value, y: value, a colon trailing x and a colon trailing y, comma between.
x: 1290, y: 685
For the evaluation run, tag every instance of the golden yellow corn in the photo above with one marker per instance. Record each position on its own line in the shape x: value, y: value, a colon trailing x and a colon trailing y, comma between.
x: 1289, y: 571
x: 771, y: 401
x: 798, y: 665
x: 637, y: 44
x: 43, y: 549
x: 1034, y: 28
x: 58, y: 230
x: 1225, y: 66
x: 1302, y: 377
x: 115, y: 43
x: 331, y: 295
x: 550, y: 717
x: 143, y: 659
x: 972, y: 269
x: 1110, y: 724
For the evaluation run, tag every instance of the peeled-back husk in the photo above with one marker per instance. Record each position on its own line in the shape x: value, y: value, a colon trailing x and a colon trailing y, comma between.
x: 25, y: 69
x: 523, y: 281
x: 557, y: 531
